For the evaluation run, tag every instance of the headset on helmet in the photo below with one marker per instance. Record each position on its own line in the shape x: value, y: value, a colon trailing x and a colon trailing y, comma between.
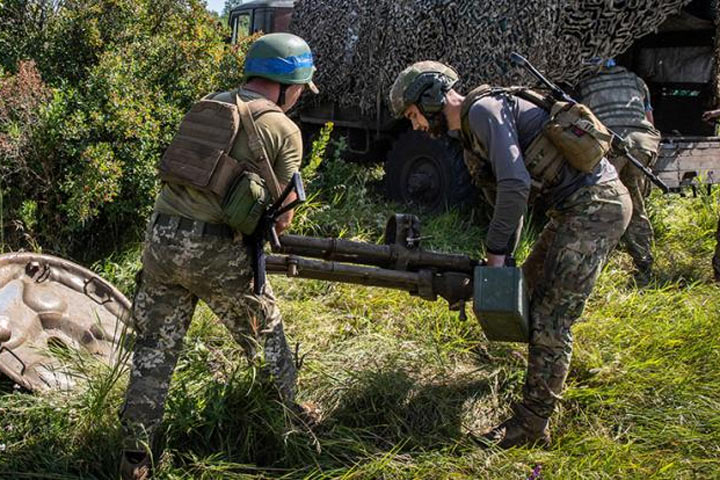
x: 424, y: 84
x: 428, y: 92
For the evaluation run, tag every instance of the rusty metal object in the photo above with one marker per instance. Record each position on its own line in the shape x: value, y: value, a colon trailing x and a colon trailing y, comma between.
x: 49, y: 303
x: 399, y: 265
x: 499, y: 294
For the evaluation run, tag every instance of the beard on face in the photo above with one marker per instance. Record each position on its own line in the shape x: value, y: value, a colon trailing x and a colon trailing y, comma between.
x: 438, y: 125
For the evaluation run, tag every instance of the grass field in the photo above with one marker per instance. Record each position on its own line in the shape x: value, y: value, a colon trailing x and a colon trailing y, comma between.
x: 400, y: 382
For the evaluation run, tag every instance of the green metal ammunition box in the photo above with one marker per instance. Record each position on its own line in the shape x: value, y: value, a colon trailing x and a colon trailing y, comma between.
x: 500, y: 303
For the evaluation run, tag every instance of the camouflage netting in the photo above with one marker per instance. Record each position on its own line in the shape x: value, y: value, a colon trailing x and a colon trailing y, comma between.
x: 361, y: 45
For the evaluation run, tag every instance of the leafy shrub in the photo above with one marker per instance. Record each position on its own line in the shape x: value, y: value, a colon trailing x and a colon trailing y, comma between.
x: 83, y: 124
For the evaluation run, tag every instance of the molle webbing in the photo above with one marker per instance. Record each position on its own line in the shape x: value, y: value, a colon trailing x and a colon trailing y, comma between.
x: 261, y: 160
x: 199, y: 154
x: 617, y: 98
x: 541, y: 158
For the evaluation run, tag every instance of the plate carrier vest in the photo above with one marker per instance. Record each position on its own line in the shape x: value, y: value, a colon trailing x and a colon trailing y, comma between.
x: 199, y: 154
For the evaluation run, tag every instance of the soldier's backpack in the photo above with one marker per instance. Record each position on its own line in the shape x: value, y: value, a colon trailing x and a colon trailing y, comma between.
x: 572, y: 134
x: 198, y: 157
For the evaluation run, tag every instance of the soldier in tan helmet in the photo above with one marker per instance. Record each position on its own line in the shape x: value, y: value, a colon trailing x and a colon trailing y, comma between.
x: 508, y: 154
x: 621, y: 100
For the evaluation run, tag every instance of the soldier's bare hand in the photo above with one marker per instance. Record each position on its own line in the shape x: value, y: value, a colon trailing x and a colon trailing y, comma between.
x: 495, y: 260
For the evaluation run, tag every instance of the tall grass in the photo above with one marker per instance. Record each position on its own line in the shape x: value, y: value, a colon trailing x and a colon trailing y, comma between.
x: 400, y: 382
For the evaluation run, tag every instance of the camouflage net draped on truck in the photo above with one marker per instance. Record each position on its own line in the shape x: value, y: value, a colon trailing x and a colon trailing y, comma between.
x: 361, y: 45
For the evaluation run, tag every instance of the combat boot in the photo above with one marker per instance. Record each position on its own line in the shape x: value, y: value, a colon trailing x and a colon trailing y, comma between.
x: 305, y: 414
x: 135, y: 465
x: 643, y: 274
x: 524, y: 428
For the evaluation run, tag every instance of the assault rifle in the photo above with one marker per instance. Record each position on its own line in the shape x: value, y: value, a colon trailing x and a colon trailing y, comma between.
x: 265, y: 230
x: 500, y: 300
x: 618, y: 142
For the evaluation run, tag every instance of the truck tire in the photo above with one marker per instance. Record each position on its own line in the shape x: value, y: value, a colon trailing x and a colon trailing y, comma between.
x: 427, y: 172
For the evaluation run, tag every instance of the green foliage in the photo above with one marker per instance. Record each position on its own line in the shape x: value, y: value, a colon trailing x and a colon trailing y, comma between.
x: 83, y: 126
x: 400, y: 381
x: 317, y: 152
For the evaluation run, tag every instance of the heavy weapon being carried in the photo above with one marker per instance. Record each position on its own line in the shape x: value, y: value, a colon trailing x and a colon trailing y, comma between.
x: 498, y: 294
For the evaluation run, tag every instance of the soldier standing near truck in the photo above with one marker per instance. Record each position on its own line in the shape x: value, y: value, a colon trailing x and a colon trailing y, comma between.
x: 502, y: 132
x: 193, y: 248
x: 621, y: 100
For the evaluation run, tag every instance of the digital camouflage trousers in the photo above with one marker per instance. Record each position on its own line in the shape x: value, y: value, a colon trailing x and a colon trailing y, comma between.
x: 638, y: 238
x: 180, y: 267
x: 561, y: 271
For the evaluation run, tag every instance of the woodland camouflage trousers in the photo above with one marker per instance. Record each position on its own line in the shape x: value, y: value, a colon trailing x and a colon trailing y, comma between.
x: 561, y: 271
x: 638, y: 238
x: 180, y: 267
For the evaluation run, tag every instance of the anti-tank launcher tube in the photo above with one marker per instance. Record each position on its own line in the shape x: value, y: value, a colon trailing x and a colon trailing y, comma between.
x: 401, y: 265
x: 500, y: 302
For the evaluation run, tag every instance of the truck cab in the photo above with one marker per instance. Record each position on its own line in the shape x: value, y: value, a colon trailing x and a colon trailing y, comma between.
x: 260, y: 16
x: 418, y: 169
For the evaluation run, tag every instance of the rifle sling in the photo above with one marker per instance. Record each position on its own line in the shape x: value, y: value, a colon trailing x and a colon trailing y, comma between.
x: 261, y: 161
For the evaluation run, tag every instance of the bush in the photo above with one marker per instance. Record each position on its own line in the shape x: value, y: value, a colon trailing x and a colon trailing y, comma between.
x: 83, y: 124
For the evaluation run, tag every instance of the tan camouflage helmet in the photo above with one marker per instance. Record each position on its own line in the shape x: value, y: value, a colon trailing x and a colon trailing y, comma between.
x: 422, y: 83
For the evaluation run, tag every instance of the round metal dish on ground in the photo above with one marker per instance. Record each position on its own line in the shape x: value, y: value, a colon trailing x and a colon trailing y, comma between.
x: 52, y: 310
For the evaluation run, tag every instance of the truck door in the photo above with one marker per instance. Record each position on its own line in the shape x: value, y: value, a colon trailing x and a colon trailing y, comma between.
x: 240, y: 23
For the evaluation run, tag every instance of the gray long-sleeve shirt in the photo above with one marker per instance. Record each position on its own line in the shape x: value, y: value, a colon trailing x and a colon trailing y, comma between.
x: 506, y: 125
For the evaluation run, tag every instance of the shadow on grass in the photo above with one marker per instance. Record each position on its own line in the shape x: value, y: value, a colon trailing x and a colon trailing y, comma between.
x: 379, y: 413
x: 387, y: 408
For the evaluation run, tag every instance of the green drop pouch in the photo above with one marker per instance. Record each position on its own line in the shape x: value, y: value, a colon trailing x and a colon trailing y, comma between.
x: 245, y: 202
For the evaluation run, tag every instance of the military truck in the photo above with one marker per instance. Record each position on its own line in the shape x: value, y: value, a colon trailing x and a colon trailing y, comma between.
x: 678, y: 61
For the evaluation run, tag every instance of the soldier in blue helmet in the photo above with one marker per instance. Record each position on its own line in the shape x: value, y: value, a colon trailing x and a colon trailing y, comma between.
x: 193, y: 249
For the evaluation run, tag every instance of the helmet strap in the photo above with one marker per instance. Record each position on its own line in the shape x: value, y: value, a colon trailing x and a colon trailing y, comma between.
x: 281, y: 96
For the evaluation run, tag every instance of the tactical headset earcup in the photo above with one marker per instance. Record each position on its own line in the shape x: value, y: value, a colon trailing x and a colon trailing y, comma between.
x: 432, y: 100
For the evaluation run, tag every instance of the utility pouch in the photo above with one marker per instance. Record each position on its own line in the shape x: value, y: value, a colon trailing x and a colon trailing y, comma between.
x: 543, y: 160
x: 500, y: 303
x: 245, y: 202
x: 578, y: 134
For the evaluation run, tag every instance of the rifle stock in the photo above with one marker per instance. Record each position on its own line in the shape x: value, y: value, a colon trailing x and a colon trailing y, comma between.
x: 266, y: 230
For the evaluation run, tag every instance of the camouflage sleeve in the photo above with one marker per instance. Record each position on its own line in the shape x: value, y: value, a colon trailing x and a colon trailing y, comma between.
x: 646, y: 95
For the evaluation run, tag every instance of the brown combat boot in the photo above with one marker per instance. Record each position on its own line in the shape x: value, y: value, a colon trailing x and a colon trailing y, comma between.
x: 307, y: 413
x: 135, y: 465
x: 524, y: 428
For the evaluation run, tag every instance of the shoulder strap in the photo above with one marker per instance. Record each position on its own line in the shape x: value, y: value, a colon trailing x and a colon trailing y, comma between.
x: 542, y: 100
x: 466, y: 135
x: 262, y: 162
